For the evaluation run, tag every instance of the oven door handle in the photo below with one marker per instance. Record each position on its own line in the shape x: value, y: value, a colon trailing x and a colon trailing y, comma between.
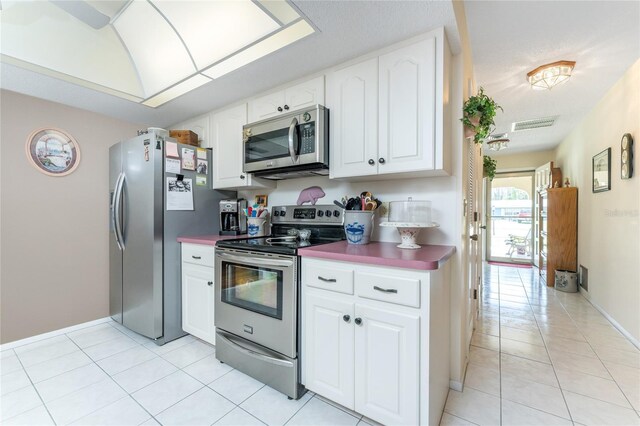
x: 254, y: 261
x: 253, y: 354
x: 293, y: 134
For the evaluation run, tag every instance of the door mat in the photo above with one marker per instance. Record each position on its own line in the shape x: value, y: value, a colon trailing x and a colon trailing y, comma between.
x: 514, y: 265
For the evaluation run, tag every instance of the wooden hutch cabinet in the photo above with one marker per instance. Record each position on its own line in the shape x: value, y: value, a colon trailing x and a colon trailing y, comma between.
x: 558, y: 231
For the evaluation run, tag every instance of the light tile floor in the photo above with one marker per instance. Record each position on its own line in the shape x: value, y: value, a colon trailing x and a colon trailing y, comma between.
x: 541, y: 357
x: 538, y: 357
x: 108, y: 375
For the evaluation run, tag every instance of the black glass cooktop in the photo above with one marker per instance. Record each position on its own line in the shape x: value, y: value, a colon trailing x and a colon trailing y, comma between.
x: 273, y: 244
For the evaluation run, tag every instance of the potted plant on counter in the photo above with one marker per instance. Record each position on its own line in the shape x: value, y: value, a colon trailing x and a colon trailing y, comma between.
x: 479, y: 112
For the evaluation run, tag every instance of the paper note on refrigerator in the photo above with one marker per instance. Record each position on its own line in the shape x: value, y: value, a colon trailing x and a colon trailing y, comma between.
x: 171, y: 150
x: 188, y: 160
x: 179, y: 194
x: 202, y: 153
x: 172, y: 165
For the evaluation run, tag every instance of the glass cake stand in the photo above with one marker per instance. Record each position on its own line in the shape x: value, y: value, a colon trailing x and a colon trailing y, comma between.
x: 409, y: 232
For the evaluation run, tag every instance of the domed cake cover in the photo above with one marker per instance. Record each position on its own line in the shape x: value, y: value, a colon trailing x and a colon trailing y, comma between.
x: 410, y: 211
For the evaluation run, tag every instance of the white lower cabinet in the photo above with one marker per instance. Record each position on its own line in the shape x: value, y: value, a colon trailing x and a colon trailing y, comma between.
x: 369, y: 355
x: 329, y: 350
x: 198, y: 292
x: 387, y: 360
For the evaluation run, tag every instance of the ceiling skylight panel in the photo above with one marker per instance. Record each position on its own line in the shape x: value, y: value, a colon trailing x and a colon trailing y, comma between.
x: 213, y: 30
x: 284, y: 37
x: 177, y: 90
x: 158, y: 53
x: 280, y: 10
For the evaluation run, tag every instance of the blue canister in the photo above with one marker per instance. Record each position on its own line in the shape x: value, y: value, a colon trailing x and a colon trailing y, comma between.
x: 358, y: 226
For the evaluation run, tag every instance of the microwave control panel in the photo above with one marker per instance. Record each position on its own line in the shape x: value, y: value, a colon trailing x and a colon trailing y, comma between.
x: 307, y: 138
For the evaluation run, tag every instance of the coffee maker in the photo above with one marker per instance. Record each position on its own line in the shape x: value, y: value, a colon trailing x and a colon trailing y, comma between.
x: 232, y: 218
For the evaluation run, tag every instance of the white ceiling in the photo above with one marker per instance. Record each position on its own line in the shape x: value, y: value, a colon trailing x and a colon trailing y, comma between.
x: 510, y: 38
x: 346, y: 29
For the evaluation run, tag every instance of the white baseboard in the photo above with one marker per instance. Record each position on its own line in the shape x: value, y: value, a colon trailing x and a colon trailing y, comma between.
x: 455, y: 385
x: 43, y: 336
x: 621, y: 329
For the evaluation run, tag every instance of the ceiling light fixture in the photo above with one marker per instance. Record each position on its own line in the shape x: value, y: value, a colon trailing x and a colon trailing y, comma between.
x: 497, y: 142
x: 550, y: 75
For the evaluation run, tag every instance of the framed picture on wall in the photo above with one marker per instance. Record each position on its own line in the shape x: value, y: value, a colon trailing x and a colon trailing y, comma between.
x: 602, y: 171
x: 53, y: 152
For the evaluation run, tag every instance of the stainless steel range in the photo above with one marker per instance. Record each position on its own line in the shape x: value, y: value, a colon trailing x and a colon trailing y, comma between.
x: 256, y: 289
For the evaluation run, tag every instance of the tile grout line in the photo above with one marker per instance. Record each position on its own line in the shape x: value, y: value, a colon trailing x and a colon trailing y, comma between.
x: 36, y: 391
x: 597, y: 357
x: 549, y: 355
x: 114, y: 381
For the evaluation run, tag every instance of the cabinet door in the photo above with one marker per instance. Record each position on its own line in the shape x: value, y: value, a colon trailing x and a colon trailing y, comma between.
x: 328, y: 352
x: 266, y: 106
x: 352, y: 95
x: 226, y: 135
x: 408, y: 108
x: 387, y: 366
x: 198, y: 301
x: 304, y: 94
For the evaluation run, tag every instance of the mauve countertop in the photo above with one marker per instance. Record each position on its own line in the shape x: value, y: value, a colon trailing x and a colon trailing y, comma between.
x: 209, y: 240
x: 426, y: 258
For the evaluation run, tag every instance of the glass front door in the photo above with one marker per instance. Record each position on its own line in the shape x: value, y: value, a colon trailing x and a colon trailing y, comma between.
x: 510, y: 213
x: 255, y: 288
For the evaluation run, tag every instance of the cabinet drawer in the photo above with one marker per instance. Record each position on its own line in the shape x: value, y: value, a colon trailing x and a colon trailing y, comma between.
x: 401, y: 291
x: 198, y: 254
x: 328, y: 277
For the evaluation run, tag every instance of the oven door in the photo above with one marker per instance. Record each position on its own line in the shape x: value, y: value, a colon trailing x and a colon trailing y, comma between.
x: 256, y: 297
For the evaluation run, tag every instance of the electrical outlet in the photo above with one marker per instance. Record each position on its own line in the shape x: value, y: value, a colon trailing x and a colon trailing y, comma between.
x: 384, y: 209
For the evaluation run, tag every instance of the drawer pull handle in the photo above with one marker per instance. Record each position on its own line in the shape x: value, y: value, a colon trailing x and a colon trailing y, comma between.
x: 197, y: 257
x: 327, y: 280
x: 385, y: 290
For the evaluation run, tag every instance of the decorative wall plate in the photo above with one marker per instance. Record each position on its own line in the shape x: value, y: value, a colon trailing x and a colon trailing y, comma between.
x: 626, y: 156
x: 53, y: 151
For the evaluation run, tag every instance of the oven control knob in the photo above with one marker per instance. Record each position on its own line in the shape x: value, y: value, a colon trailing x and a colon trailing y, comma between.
x: 276, y: 213
x: 328, y: 213
x: 336, y: 213
x: 320, y: 213
x: 282, y: 213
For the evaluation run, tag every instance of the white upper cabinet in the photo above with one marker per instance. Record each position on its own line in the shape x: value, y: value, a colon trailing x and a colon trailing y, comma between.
x: 353, y: 95
x: 407, y: 109
x: 228, y: 151
x: 199, y: 126
x: 301, y: 95
x: 388, y: 113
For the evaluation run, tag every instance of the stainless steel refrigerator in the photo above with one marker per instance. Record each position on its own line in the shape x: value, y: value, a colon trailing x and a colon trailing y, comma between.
x: 145, y: 279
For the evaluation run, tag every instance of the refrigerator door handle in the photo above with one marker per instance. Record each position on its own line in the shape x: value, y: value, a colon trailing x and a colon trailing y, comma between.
x: 117, y: 204
x: 115, y: 211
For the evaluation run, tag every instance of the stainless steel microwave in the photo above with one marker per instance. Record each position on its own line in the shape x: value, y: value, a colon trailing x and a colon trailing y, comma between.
x: 291, y: 145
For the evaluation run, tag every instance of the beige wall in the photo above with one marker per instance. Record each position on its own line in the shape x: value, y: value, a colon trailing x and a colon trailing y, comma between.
x: 609, y: 222
x: 524, y: 161
x: 54, y: 248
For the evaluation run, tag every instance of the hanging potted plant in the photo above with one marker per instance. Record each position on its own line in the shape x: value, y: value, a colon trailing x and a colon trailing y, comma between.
x: 478, y: 114
x: 489, y: 167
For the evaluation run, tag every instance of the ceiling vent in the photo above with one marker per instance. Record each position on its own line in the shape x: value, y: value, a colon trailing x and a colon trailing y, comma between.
x: 533, y: 124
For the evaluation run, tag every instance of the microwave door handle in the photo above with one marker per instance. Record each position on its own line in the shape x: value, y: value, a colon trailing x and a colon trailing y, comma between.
x: 293, y: 149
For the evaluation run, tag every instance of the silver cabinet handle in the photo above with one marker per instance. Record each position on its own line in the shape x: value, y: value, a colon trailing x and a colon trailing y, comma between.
x: 327, y: 280
x: 292, y: 133
x: 197, y: 257
x: 385, y: 290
